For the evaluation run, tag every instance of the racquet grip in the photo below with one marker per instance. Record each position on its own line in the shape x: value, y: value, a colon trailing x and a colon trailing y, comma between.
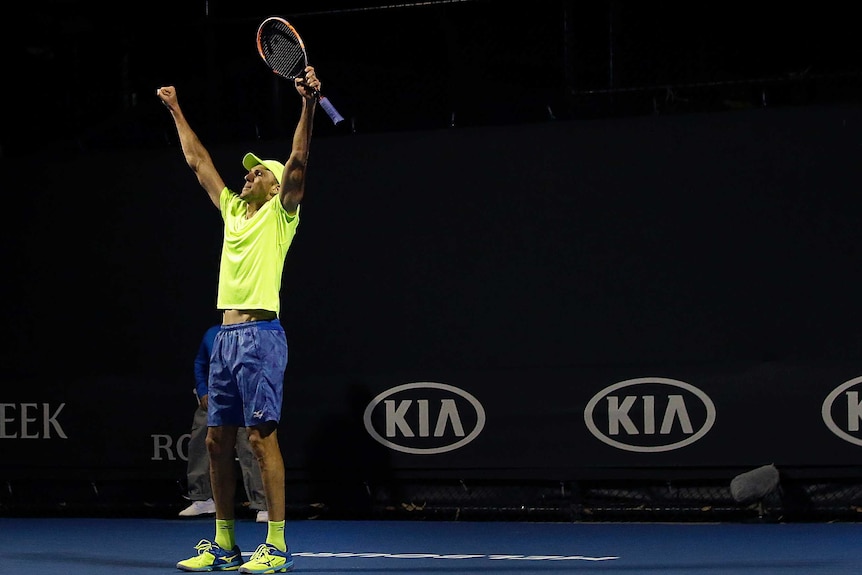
x: 330, y: 110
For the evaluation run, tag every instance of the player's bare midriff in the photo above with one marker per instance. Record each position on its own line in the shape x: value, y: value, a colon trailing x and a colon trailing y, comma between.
x: 235, y: 316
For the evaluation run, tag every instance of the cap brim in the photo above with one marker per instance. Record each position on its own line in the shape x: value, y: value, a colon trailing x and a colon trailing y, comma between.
x: 250, y: 160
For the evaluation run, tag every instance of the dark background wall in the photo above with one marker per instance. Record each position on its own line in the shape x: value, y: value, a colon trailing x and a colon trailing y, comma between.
x: 701, y: 241
x: 83, y: 77
x: 686, y: 238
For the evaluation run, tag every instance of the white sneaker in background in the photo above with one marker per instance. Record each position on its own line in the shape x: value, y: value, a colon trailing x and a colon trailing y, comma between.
x: 199, y: 508
x: 262, y: 516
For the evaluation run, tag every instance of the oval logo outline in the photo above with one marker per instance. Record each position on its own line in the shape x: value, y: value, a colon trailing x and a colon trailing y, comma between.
x: 480, y: 418
x: 826, y: 411
x: 598, y: 434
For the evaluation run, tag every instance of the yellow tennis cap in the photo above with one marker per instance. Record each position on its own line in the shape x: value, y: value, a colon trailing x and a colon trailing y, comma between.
x: 274, y: 166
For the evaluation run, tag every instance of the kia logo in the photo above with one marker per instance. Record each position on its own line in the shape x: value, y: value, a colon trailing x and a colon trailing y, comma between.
x: 649, y: 414
x: 424, y: 418
x: 850, y: 408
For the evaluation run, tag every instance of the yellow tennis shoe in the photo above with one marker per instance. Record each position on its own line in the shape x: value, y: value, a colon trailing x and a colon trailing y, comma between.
x: 267, y: 558
x: 211, y: 557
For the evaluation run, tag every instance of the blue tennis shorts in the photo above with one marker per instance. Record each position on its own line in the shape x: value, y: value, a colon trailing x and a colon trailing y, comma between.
x: 246, y: 381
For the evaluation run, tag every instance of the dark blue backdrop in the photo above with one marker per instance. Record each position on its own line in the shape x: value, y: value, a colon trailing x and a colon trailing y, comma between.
x: 585, y: 297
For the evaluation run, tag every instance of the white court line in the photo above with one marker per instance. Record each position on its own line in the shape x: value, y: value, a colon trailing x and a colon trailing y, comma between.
x: 496, y: 557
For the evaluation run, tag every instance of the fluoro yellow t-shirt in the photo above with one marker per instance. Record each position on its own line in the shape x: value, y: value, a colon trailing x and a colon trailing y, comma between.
x: 253, y: 253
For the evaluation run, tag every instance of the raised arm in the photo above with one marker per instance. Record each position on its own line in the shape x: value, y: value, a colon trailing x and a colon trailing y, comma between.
x: 197, y: 157
x: 293, y: 181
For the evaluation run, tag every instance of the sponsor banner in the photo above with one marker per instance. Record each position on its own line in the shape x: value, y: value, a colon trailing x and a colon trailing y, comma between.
x: 542, y: 422
x: 551, y: 421
x: 110, y: 424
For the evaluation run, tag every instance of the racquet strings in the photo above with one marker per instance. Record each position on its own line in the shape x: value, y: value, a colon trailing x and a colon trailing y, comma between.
x: 282, y: 49
x: 284, y: 52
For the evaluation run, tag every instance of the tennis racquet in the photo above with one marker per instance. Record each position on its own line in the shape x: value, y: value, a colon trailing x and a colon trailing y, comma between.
x: 283, y: 50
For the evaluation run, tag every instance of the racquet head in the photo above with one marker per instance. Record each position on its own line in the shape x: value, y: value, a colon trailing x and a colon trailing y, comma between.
x: 281, y: 47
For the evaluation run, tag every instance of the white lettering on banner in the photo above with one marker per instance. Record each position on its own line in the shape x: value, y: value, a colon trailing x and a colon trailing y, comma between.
x: 163, y: 444
x: 832, y: 408
x: 166, y: 449
x: 853, y: 411
x: 183, y: 446
x: 404, y: 420
x: 448, y: 413
x: 34, y: 421
x: 674, y: 411
x: 630, y: 420
x: 395, y: 417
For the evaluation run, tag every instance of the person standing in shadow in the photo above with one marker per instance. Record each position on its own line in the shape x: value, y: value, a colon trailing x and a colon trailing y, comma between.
x: 198, y: 467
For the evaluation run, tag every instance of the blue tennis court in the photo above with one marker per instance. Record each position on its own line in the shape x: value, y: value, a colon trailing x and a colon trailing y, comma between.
x: 96, y: 546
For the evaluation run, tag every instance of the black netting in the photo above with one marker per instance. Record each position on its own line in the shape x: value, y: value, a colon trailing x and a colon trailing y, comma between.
x: 701, y: 500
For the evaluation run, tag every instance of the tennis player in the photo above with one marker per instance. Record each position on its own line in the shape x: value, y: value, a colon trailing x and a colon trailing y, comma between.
x: 250, y: 350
